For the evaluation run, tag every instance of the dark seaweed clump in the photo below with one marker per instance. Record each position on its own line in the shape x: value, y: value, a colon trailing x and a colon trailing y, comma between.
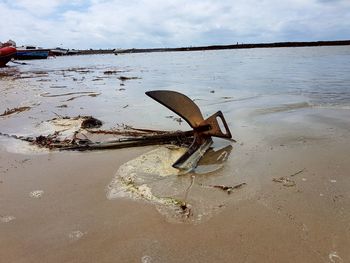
x: 91, y: 122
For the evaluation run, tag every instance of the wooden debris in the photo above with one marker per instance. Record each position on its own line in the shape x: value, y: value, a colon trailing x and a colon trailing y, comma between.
x: 15, y: 110
x: 176, y: 138
x: 51, y: 141
x: 129, y: 137
x: 286, y: 181
x: 299, y: 172
x: 123, y: 78
x: 62, y: 106
x: 130, y: 131
x: 110, y: 72
x: 228, y: 189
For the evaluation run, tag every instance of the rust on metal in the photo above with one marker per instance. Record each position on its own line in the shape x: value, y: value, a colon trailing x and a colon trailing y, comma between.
x: 203, y: 129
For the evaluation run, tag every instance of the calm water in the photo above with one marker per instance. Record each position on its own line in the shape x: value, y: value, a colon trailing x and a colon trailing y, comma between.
x: 234, y: 81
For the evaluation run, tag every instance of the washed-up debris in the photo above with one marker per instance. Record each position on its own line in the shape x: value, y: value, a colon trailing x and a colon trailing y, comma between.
x: 78, y: 70
x: 179, y: 120
x: 334, y: 257
x: 184, y: 205
x: 58, y: 87
x: 123, y: 78
x: 59, y: 132
x: 228, y: 189
x: 50, y: 141
x: 36, y: 194
x: 298, y: 172
x: 15, y: 110
x: 48, y: 95
x: 76, y: 235
x: 73, y: 133
x: 176, y: 138
x: 110, y: 72
x: 6, y: 219
x: 87, y: 95
x: 62, y: 106
x: 90, y: 122
x: 285, y: 181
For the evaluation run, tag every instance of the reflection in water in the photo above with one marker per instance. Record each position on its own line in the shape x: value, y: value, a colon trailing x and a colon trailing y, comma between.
x: 213, y: 160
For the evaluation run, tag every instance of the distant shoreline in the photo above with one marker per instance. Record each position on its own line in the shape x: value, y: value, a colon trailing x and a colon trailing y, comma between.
x: 238, y: 46
x: 216, y: 47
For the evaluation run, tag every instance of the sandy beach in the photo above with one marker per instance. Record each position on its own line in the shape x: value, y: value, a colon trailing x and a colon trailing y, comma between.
x: 56, y: 206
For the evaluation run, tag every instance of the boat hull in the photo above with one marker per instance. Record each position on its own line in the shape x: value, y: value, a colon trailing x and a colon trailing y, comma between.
x: 32, y: 54
x: 6, y: 54
x: 58, y: 52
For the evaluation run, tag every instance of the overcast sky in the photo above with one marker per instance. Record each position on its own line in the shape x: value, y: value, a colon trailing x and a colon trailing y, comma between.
x: 170, y: 23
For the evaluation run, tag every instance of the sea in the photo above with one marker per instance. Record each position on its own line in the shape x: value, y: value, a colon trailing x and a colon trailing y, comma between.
x: 112, y: 87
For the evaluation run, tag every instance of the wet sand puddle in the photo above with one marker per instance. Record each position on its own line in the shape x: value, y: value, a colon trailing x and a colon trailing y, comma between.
x: 181, y: 196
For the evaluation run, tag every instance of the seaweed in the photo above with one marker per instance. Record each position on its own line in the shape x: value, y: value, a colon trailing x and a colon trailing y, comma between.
x: 90, y: 122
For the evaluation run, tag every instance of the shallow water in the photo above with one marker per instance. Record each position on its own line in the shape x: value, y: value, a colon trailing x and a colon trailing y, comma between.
x: 235, y: 81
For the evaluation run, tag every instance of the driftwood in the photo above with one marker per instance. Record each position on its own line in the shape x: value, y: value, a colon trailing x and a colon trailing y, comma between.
x: 299, y: 172
x: 226, y: 188
x: 285, y: 181
x: 172, y: 138
x: 15, y: 110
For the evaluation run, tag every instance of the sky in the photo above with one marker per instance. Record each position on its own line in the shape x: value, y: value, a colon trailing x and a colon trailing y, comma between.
x: 98, y: 24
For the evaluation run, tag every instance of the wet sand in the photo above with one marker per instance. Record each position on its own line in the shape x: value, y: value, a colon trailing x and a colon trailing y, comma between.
x: 54, y: 206
x: 73, y: 221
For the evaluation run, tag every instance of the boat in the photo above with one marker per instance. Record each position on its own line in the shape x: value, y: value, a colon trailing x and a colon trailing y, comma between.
x: 6, y: 54
x: 58, y: 51
x: 72, y: 52
x: 31, y: 52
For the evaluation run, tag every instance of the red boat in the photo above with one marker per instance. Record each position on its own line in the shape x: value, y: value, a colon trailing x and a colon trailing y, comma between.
x: 6, y: 53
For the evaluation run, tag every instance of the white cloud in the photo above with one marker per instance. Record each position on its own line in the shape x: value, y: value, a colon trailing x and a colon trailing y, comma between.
x: 158, y: 23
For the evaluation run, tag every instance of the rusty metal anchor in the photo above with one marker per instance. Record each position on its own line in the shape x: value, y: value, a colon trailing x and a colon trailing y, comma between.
x: 203, y: 129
